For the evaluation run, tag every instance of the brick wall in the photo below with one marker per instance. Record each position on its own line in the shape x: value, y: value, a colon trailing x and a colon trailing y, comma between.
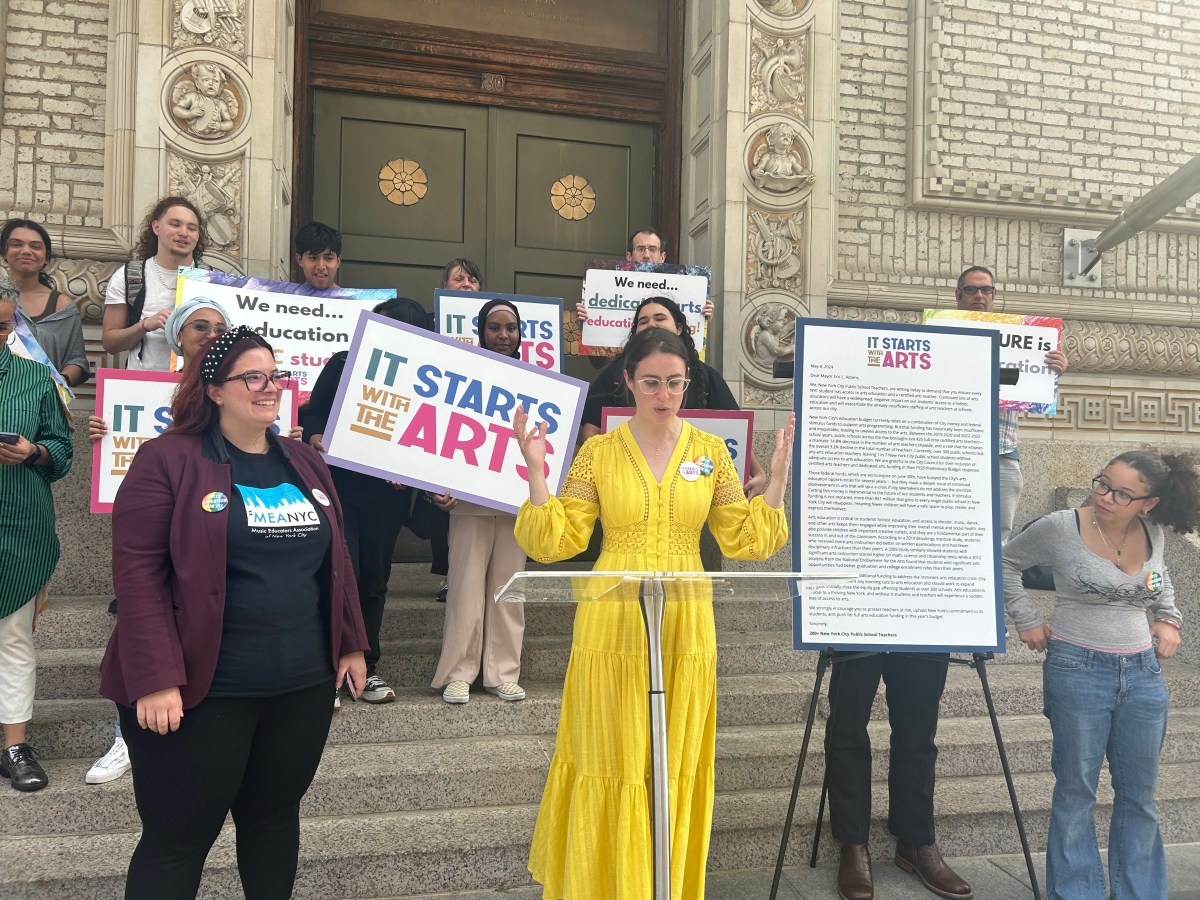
x: 52, y: 110
x: 1039, y: 114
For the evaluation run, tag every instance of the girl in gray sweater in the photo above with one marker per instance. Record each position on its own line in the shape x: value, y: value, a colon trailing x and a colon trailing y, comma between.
x: 1114, y: 619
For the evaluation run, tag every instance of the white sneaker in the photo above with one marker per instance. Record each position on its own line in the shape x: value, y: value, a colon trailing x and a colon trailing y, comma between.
x: 111, y: 766
x: 510, y: 691
x: 457, y: 692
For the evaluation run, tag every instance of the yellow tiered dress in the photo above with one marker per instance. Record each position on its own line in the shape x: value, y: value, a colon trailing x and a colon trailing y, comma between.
x: 592, y: 838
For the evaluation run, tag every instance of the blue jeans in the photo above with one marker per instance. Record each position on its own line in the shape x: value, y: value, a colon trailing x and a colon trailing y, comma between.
x: 1114, y: 705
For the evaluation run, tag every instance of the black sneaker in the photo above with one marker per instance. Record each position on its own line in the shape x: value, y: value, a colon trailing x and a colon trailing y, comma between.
x: 377, y: 691
x: 442, y: 592
x: 112, y: 606
x: 18, y: 764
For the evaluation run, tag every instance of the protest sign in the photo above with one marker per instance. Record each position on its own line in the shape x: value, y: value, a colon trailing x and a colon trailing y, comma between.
x: 304, y: 326
x: 734, y: 426
x: 611, y: 296
x: 457, y: 314
x: 896, y: 478
x: 136, y: 406
x: 1024, y: 343
x: 436, y: 413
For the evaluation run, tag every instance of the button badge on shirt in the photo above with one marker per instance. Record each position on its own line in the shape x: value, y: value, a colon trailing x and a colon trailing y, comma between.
x: 214, y: 502
x: 689, y: 471
x: 320, y: 496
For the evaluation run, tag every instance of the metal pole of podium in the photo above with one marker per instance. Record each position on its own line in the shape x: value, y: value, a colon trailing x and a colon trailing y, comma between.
x: 653, y: 603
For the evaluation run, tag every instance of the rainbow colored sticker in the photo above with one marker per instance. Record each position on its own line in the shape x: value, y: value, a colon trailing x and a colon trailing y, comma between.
x: 214, y: 502
x: 706, y: 465
x: 1154, y: 581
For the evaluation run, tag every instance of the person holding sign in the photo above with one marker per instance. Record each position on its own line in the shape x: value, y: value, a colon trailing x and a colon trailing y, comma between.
x: 35, y: 450
x: 481, y: 635
x: 238, y: 610
x: 141, y: 294
x: 1102, y: 681
x: 976, y: 291
x: 653, y: 483
x: 374, y: 510
x: 53, y: 317
x: 706, y: 388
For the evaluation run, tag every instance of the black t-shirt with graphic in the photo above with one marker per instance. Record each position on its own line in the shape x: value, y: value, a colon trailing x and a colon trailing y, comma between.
x: 275, y: 634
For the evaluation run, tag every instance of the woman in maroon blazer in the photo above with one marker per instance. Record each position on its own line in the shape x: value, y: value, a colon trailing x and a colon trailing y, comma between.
x: 238, y: 612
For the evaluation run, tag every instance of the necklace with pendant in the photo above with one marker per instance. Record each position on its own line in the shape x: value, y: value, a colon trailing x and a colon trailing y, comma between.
x: 671, y: 442
x: 1115, y: 549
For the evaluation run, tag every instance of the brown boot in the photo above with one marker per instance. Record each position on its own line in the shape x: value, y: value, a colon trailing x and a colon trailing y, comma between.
x: 927, y: 864
x: 854, y: 873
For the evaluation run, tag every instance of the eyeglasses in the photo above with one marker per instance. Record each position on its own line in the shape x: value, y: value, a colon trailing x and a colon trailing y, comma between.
x: 650, y: 385
x: 257, y: 381
x: 653, y: 249
x: 207, y: 327
x: 1121, y: 498
x: 971, y: 289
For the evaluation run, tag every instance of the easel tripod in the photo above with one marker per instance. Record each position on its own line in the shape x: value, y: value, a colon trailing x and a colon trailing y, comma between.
x: 829, y: 657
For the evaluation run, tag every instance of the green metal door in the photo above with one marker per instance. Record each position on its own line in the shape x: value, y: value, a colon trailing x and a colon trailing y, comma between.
x: 529, y: 196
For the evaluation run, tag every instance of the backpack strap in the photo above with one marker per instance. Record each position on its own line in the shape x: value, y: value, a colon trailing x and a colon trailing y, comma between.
x: 135, y: 291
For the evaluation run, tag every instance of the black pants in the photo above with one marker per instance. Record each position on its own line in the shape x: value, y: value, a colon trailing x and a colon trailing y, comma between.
x: 914, y: 692
x: 374, y: 512
x: 254, y: 757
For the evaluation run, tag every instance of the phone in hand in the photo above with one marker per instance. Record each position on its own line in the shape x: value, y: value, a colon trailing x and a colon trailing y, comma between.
x: 350, y: 688
x: 9, y: 437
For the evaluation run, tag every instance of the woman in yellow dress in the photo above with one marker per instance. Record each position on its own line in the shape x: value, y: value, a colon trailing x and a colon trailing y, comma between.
x: 654, y: 483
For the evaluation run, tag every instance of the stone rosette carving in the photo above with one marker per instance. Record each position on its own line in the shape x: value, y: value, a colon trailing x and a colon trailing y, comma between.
x: 206, y: 103
x: 769, y: 335
x: 776, y: 162
x: 774, y: 258
x: 778, y: 74
x: 403, y: 182
x: 572, y: 197
x: 209, y: 23
x: 216, y: 189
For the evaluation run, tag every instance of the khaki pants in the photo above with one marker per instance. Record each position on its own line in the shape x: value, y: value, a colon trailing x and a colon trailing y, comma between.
x: 481, y: 634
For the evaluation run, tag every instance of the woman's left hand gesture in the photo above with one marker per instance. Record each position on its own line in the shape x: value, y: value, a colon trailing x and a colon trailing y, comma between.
x: 355, y: 666
x: 1166, y: 639
x: 781, y: 464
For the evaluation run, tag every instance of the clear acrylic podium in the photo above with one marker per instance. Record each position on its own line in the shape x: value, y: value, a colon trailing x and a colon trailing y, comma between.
x: 653, y: 591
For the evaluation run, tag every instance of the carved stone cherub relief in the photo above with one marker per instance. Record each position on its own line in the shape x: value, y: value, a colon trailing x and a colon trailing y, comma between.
x: 771, y: 334
x: 777, y: 165
x: 204, y: 101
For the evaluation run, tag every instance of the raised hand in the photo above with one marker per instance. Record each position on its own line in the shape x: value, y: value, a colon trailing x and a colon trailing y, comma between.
x: 533, y: 448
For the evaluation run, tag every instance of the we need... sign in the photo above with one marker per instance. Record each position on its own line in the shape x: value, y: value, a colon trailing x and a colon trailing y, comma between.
x: 436, y: 413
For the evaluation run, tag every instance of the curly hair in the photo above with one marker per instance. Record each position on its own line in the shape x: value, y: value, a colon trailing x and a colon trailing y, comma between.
x: 147, y: 244
x: 1173, y: 479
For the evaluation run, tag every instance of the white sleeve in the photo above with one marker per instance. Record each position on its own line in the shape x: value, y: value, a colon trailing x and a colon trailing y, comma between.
x: 115, y: 292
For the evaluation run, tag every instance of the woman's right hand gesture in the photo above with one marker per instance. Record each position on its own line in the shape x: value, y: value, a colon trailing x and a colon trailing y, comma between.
x: 160, y: 711
x: 533, y: 448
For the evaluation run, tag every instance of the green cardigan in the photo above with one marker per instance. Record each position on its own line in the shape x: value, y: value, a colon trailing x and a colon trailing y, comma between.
x: 29, y: 549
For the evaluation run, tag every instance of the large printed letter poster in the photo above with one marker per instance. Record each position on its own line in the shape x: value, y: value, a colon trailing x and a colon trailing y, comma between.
x: 436, y: 413
x: 896, y: 479
x: 137, y: 407
x: 304, y: 326
x: 611, y: 297
x: 457, y: 316
x: 1024, y: 343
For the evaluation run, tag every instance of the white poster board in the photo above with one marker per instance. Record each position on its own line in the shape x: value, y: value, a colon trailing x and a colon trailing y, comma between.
x: 611, y: 297
x: 734, y: 426
x: 457, y: 312
x: 436, y: 413
x: 136, y: 406
x: 304, y: 326
x: 896, y: 479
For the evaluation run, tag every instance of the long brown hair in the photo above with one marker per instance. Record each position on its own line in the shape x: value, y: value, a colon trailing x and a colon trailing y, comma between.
x: 192, y: 410
x: 147, y: 245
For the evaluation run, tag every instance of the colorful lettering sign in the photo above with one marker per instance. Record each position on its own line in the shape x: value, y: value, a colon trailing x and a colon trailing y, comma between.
x: 734, y: 426
x: 303, y: 325
x: 436, y: 413
x: 136, y: 406
x: 611, y: 296
x: 1024, y: 343
x: 457, y: 314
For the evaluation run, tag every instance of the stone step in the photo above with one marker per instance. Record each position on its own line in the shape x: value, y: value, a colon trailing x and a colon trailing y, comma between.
x: 422, y: 775
x: 436, y: 851
x: 80, y: 728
